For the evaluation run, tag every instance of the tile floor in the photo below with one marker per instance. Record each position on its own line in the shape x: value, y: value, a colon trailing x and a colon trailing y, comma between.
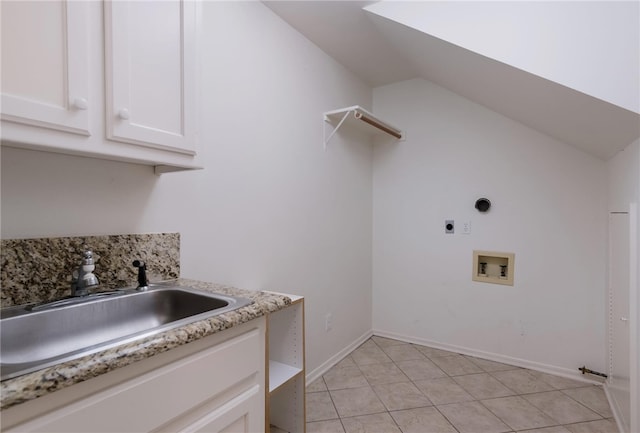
x: 389, y: 386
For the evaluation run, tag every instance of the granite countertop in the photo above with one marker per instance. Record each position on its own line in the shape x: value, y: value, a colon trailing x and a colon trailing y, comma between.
x: 33, y: 385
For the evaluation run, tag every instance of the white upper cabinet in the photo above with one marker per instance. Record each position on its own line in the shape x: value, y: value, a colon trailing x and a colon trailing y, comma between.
x: 150, y: 65
x: 45, y: 64
x: 112, y: 80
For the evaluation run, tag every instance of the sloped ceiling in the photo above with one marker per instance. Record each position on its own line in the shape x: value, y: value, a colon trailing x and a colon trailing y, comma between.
x: 343, y: 30
x: 381, y: 51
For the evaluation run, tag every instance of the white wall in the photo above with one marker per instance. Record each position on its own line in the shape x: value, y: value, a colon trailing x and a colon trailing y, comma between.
x: 272, y: 210
x: 589, y: 46
x: 549, y: 208
x: 624, y: 178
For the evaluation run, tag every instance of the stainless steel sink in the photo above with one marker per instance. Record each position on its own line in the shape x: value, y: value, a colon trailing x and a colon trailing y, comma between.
x: 32, y: 338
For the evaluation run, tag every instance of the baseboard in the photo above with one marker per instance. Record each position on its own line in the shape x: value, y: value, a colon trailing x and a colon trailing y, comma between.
x: 531, y: 365
x: 622, y: 427
x: 325, y: 366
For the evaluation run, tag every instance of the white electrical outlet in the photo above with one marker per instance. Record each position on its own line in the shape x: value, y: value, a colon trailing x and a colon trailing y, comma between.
x: 328, y: 325
x: 466, y: 228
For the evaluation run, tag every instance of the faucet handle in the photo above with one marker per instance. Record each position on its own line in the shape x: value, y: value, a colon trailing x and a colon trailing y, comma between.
x: 88, y: 258
x: 88, y: 261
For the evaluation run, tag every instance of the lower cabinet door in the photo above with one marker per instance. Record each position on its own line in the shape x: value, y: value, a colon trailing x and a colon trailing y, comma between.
x: 244, y: 413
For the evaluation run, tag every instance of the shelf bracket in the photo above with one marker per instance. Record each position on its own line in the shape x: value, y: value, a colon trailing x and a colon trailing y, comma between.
x: 324, y: 131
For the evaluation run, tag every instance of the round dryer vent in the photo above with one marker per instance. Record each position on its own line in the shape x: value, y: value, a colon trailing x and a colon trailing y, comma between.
x: 483, y: 204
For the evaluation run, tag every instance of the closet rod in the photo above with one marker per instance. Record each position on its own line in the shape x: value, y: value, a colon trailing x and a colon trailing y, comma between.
x: 376, y: 124
x: 360, y: 118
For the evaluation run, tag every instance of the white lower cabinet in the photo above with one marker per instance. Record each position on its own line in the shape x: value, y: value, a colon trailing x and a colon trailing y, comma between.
x: 216, y: 384
x: 250, y: 379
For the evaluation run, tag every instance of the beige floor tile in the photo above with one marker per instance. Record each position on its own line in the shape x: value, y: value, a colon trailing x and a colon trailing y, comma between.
x: 422, y: 420
x: 387, y: 372
x: 558, y: 382
x: 420, y: 369
x: 490, y: 366
x: 482, y: 386
x: 347, y: 361
x: 402, y: 395
x: 320, y: 407
x: 593, y: 397
x: 331, y: 426
x: 367, y: 345
x: 403, y: 353
x: 443, y: 391
x: 316, y: 386
x: 456, y: 365
x: 600, y: 426
x: 560, y: 407
x: 518, y: 413
x: 377, y: 423
x: 472, y: 417
x: 344, y: 377
x: 356, y: 401
x: 556, y: 429
x: 432, y: 352
x: 386, y: 342
x: 522, y: 381
x: 369, y: 354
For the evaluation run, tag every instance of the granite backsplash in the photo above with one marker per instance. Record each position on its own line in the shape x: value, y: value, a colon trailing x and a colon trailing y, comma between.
x: 38, y: 270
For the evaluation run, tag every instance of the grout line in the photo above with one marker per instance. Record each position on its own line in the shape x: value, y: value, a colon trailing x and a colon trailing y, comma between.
x: 582, y: 404
x: 448, y: 420
x: 333, y: 402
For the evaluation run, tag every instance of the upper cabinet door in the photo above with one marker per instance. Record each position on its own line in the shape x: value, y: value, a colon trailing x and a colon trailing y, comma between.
x: 150, y: 63
x: 45, y: 78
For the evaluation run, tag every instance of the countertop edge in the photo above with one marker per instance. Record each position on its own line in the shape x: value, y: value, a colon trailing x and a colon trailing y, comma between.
x: 45, y: 381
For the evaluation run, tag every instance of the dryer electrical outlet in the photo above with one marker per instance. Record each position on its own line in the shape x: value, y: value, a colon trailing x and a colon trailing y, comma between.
x: 449, y: 226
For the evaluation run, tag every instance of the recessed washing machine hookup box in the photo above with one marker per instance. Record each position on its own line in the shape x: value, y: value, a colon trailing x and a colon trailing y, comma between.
x: 493, y: 267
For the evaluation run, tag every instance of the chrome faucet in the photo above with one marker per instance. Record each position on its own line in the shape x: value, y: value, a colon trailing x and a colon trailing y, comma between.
x: 83, y: 277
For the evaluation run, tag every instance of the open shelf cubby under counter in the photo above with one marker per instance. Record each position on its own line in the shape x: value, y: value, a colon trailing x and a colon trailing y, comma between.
x: 286, y: 369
